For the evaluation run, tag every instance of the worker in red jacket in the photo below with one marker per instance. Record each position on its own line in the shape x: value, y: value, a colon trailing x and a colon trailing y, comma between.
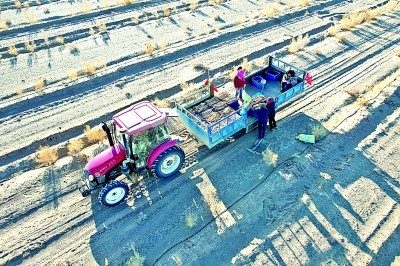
x: 239, y: 81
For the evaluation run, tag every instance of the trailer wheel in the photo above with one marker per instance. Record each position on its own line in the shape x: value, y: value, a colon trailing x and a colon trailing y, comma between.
x: 113, y: 193
x: 169, y: 162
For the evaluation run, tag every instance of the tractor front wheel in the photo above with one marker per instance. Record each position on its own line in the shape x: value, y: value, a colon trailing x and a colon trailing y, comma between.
x: 169, y: 162
x: 113, y: 193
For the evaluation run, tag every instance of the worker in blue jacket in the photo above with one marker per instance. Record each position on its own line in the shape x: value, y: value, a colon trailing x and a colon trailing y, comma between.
x: 261, y: 113
x: 271, y: 113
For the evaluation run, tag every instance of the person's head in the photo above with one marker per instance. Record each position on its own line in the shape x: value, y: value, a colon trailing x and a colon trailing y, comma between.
x: 240, y: 68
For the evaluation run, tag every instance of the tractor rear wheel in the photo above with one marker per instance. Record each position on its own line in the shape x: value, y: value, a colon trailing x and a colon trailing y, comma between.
x: 169, y: 162
x: 113, y: 193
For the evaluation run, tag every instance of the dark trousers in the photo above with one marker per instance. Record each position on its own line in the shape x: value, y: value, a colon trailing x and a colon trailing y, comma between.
x: 272, y: 122
x: 261, y: 129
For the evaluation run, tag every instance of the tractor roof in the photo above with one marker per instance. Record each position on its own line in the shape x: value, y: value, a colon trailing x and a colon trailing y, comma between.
x: 139, y: 117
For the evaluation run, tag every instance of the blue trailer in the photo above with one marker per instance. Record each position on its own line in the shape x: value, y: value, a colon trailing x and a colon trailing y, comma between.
x: 215, y: 133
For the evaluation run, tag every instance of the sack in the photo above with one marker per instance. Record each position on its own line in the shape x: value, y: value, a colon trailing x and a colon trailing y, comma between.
x: 306, y: 138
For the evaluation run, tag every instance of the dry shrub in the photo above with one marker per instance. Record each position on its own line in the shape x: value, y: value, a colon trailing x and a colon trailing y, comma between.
x: 161, y: 44
x: 1, y: 56
x: 31, y: 17
x: 317, y: 52
x: 46, y: 155
x: 200, y: 67
x: 59, y: 39
x: 191, y: 219
x: 162, y: 103
x: 39, y: 84
x: 17, y: 4
x: 177, y: 260
x: 38, y: 2
x: 240, y: 20
x: 149, y: 48
x: 206, y: 29
x: 333, y: 30
x: 341, y: 38
x: 217, y: 17
x: 135, y: 20
x: 106, y: 3
x: 305, y: 2
x: 270, y: 10
x: 193, y: 5
x: 155, y: 13
x: 30, y: 46
x: 219, y: 2
x: 101, y: 26
x: 362, y: 101
x: 94, y: 135
x: 91, y: 31
x: 318, y: 131
x: 217, y: 28
x: 92, y: 67
x: 246, y: 65
x: 136, y: 259
x: 25, y: 5
x: 75, y: 146
x: 398, y: 53
x: 298, y: 44
x: 270, y: 157
x: 166, y: 11
x: 260, y: 62
x: 45, y: 37
x: 72, y: 74
x: 125, y: 2
x: 185, y: 86
x: 86, y: 8
x: 12, y: 50
x: 352, y: 91
x: 348, y: 22
x: 19, y: 91
x: 231, y: 74
x: 3, y: 25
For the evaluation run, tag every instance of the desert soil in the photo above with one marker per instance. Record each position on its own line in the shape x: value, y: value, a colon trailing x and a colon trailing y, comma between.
x: 335, y: 202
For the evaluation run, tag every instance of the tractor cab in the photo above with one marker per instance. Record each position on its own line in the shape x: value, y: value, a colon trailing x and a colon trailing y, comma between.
x: 139, y: 141
x: 140, y: 128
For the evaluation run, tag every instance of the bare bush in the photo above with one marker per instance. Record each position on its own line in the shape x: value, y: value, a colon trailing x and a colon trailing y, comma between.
x: 318, y: 131
x: 46, y: 155
x: 270, y: 157
x: 94, y: 135
x: 59, y: 39
x: 298, y: 44
x: 12, y: 50
x: 193, y: 5
x: 149, y: 48
x: 260, y: 62
x: 270, y: 10
x: 75, y: 146
x: 191, y: 219
x: 39, y: 84
x: 333, y: 30
x: 72, y: 74
x: 30, y: 46
x: 136, y: 259
x: 166, y: 11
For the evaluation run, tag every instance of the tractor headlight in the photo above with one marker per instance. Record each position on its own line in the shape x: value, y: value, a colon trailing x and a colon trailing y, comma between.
x: 91, y: 178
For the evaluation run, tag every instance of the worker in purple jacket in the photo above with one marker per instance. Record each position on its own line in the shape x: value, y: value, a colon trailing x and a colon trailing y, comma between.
x: 261, y: 113
x: 271, y: 113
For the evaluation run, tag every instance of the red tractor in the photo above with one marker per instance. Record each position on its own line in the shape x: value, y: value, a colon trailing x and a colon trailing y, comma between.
x: 139, y: 141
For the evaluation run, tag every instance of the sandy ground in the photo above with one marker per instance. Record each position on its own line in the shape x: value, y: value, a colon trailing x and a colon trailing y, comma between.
x: 332, y: 203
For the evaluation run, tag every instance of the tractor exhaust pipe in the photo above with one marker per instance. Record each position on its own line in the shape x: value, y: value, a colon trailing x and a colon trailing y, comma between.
x: 108, y: 133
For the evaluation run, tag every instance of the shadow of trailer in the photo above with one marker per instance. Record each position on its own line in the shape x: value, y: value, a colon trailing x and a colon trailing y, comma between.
x: 214, y: 133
